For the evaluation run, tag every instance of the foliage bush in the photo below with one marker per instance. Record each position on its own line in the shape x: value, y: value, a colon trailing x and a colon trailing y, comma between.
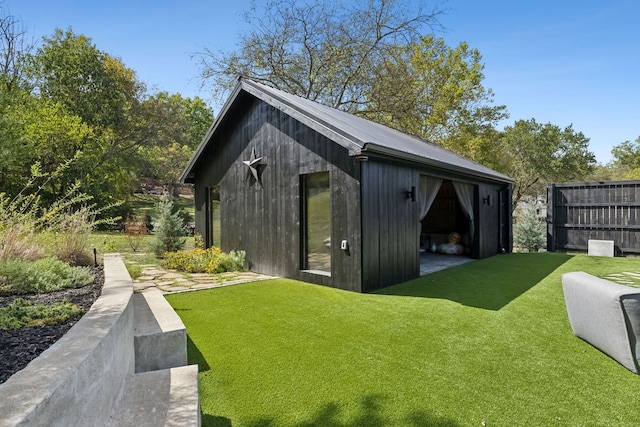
x: 22, y: 314
x: 29, y: 230
x: 211, y: 260
x: 134, y: 270
x: 41, y: 276
x: 198, y: 241
x: 529, y: 231
x: 70, y: 237
x: 168, y: 229
x: 135, y: 229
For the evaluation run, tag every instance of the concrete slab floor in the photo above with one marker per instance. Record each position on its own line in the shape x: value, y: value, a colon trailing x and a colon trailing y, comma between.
x: 431, y: 262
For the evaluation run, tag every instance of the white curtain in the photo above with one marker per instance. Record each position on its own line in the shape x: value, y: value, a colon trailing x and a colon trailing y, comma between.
x: 464, y: 192
x: 427, y: 191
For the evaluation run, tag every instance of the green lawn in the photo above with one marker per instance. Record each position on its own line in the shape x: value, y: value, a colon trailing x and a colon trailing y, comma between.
x: 144, y: 204
x: 137, y: 249
x: 118, y: 242
x: 484, y: 343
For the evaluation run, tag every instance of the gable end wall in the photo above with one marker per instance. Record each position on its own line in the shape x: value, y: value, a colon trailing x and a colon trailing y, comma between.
x: 265, y: 220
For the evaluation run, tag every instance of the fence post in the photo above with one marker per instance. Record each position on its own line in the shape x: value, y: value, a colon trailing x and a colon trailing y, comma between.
x: 551, y: 244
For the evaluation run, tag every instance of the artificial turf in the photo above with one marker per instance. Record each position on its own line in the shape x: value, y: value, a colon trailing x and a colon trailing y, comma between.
x: 484, y: 343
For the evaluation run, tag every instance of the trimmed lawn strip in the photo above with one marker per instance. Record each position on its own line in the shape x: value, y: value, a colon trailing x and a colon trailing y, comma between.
x: 110, y: 242
x: 487, y: 341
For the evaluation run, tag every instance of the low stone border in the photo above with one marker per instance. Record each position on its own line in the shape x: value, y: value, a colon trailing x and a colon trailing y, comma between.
x: 159, y: 336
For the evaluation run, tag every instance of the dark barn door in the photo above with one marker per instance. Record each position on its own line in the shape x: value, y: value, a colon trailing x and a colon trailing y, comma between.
x: 505, y: 222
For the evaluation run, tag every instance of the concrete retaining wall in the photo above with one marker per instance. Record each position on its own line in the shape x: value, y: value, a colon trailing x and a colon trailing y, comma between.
x: 78, y: 380
x: 160, y: 338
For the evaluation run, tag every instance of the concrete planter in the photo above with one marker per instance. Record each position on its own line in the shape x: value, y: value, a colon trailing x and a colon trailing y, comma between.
x: 82, y: 378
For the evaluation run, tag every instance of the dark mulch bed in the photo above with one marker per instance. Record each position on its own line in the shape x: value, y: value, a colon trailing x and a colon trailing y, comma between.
x: 19, y: 347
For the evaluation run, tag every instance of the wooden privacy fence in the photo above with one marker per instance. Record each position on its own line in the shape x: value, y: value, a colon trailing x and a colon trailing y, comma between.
x: 578, y: 212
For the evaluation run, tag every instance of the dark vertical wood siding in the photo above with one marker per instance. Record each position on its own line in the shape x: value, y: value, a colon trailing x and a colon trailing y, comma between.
x: 493, y: 224
x: 265, y: 221
x: 390, y: 236
x: 578, y: 212
x: 369, y: 206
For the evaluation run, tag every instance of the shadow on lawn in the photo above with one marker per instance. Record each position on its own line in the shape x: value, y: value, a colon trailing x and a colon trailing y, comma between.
x: 215, y: 421
x: 371, y: 414
x: 195, y: 357
x: 490, y: 283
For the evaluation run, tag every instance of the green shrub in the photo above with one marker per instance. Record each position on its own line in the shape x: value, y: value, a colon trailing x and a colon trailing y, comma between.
x: 29, y: 229
x: 211, y: 260
x: 168, y: 229
x: 17, y: 241
x: 22, y: 314
x: 42, y: 276
x: 70, y: 237
x: 238, y: 258
x: 529, y: 231
x: 134, y: 270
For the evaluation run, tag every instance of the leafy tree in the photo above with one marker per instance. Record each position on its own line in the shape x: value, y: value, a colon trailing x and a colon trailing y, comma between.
x: 535, y: 154
x: 130, y: 134
x: 626, y: 157
x: 180, y: 124
x: 607, y: 172
x: 65, y: 99
x: 324, y: 51
x: 54, y: 137
x: 433, y: 91
x: 70, y: 72
x: 15, y: 151
x: 90, y: 83
x: 165, y: 163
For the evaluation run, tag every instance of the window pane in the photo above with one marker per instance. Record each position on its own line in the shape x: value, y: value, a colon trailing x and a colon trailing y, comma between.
x: 317, y: 227
x: 214, y: 216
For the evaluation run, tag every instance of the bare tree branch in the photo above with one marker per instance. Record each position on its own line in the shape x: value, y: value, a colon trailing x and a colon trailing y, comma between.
x: 323, y: 51
x: 13, y: 49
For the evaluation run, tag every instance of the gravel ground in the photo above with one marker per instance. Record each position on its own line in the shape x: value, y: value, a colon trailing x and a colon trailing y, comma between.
x: 19, y: 347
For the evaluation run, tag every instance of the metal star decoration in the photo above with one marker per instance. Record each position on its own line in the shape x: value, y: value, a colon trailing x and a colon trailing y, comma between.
x: 254, y: 170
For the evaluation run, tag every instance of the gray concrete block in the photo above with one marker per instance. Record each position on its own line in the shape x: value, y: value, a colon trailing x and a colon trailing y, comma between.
x: 168, y: 397
x: 160, y: 337
x: 601, y: 248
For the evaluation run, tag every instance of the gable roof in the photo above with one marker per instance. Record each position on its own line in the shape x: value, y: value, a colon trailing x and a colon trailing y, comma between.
x: 359, y: 136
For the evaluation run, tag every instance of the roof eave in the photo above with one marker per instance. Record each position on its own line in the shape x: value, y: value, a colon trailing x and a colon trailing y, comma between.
x: 387, y: 152
x: 334, y: 133
x: 352, y: 144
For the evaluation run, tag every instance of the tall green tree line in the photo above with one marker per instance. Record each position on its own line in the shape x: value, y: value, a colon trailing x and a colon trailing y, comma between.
x: 65, y: 98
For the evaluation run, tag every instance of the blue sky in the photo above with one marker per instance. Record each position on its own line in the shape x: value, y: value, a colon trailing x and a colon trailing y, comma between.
x: 564, y: 61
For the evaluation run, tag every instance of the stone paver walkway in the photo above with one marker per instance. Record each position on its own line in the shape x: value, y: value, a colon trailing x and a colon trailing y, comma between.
x: 172, y: 281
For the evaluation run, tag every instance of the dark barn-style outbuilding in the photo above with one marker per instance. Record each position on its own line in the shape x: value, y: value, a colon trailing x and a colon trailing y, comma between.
x: 319, y: 195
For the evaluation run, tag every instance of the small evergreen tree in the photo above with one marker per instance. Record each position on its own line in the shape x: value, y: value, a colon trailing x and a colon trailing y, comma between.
x: 169, y: 229
x: 529, y: 231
